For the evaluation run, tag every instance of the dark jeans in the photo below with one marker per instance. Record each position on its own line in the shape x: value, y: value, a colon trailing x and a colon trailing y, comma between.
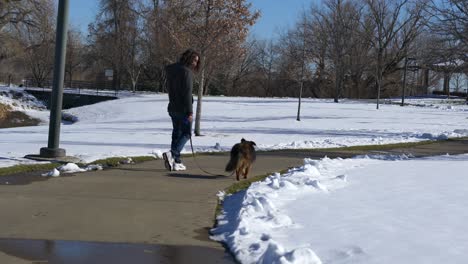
x: 181, y: 133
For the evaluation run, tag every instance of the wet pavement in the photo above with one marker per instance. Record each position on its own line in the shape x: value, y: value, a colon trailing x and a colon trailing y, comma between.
x: 133, y: 207
x: 20, y: 179
x: 26, y: 178
x: 79, y: 252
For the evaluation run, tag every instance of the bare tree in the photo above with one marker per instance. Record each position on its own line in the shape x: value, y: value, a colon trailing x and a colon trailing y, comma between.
x: 266, y: 61
x: 157, y: 41
x: 18, y: 12
x: 242, y: 66
x: 295, y: 56
x: 451, y: 22
x: 359, y: 59
x: 75, y: 53
x: 317, y: 48
x: 38, y: 41
x: 14, y: 16
x: 340, y: 19
x: 132, y: 43
x: 397, y: 23
x: 112, y: 39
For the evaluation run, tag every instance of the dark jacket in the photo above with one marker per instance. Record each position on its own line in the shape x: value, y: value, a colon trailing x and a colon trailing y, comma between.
x: 179, y: 85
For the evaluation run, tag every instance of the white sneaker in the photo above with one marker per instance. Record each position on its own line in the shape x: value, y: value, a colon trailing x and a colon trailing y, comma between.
x: 178, y: 167
x: 168, y: 161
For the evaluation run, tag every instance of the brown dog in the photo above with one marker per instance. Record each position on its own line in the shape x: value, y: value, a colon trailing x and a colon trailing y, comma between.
x: 242, y: 157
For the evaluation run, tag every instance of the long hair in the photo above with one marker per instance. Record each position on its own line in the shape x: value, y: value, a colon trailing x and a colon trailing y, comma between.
x: 187, y: 57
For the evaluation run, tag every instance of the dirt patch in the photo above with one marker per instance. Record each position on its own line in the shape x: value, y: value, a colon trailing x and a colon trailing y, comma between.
x: 10, y: 118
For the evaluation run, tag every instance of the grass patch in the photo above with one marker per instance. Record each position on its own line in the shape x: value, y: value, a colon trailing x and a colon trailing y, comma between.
x: 109, y: 162
x: 4, y: 110
x: 381, y: 147
x: 344, y: 149
x: 359, y: 148
x: 27, y: 168
x: 116, y: 161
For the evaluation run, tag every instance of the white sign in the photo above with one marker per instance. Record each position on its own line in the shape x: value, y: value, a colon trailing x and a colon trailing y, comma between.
x: 109, y: 73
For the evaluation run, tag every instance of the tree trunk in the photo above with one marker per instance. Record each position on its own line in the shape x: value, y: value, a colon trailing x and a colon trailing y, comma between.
x: 357, y: 87
x: 70, y: 75
x: 426, y: 81
x: 200, y: 96
x: 337, y: 86
x: 447, y: 83
x: 379, y: 76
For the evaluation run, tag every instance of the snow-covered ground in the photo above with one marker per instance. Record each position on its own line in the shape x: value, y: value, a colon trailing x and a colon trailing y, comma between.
x: 363, y: 210
x: 139, y: 125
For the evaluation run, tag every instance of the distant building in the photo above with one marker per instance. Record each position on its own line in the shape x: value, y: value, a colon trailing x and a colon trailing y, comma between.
x: 452, y: 78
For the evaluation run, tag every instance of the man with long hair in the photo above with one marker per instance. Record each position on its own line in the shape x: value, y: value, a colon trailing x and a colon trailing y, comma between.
x: 179, y: 84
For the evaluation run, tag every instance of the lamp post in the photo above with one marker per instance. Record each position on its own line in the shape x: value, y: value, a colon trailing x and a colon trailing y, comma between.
x: 52, y: 150
x: 301, y: 85
x: 404, y: 80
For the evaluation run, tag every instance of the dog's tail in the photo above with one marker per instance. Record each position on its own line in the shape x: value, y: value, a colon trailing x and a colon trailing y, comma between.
x: 235, y: 152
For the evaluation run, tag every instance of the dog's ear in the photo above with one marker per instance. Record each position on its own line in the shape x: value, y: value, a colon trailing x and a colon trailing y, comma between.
x: 253, y: 143
x: 242, y: 140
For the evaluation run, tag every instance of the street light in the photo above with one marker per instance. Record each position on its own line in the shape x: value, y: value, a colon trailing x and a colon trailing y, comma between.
x: 404, y: 79
x: 52, y: 150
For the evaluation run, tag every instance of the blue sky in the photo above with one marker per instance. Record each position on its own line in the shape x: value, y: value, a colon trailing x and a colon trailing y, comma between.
x: 277, y: 15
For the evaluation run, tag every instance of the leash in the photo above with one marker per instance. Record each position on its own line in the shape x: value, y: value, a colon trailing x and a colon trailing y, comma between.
x: 207, y: 172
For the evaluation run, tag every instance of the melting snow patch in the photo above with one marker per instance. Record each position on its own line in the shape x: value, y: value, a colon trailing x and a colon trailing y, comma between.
x: 70, y: 168
x: 52, y: 173
x: 386, y: 156
x: 157, y: 153
x: 221, y: 195
x: 93, y: 167
x: 127, y: 161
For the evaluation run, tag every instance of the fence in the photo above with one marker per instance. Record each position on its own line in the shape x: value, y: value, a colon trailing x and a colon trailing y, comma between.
x: 76, y: 86
x: 99, y: 86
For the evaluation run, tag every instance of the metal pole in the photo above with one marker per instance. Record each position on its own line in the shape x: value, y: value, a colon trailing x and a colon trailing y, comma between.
x: 53, y: 150
x: 466, y: 90
x: 404, y: 83
x: 298, y: 118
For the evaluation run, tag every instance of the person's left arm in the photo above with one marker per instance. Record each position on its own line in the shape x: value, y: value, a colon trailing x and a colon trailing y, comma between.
x: 188, y: 97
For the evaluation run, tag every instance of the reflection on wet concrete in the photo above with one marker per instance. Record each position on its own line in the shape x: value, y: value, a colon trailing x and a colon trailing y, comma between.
x: 77, y: 252
x: 21, y: 179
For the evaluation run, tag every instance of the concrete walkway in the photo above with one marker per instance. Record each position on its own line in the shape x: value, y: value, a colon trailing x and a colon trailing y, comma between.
x: 143, y: 204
